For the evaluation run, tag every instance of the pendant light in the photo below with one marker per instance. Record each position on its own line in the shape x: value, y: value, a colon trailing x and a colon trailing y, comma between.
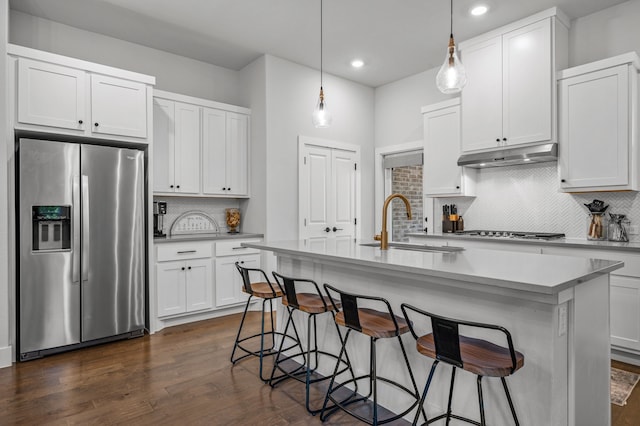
x: 452, y: 77
x: 321, y: 116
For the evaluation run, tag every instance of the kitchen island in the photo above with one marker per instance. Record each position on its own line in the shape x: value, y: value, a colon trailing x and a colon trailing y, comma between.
x: 556, y: 308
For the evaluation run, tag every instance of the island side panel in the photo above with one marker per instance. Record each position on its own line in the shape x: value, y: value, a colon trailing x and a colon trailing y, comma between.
x: 590, y: 353
x: 539, y: 390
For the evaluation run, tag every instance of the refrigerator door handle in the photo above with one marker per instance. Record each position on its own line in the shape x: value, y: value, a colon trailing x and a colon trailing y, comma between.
x: 75, y: 252
x: 85, y: 228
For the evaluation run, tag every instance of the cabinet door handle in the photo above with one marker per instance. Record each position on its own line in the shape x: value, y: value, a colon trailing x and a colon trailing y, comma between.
x: 189, y: 268
x: 239, y: 248
x: 337, y: 229
x: 186, y: 251
x: 457, y: 186
x: 242, y: 261
x: 504, y: 139
x: 327, y: 229
x: 563, y: 180
x: 80, y: 122
x: 183, y: 268
x: 177, y: 186
x: 228, y: 189
x: 170, y: 186
x: 224, y: 189
x: 96, y: 124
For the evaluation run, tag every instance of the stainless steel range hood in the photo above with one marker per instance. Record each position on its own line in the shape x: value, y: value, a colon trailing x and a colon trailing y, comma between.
x: 511, y: 156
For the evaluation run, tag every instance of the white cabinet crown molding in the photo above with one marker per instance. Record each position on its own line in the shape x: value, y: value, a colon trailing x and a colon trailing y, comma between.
x: 54, y: 58
x: 631, y: 58
x: 551, y: 12
x: 200, y: 102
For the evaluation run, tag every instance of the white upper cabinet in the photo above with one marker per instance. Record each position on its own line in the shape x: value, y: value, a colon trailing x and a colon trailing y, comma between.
x: 56, y: 94
x: 200, y: 147
x: 510, y: 97
x: 442, y: 175
x: 598, y: 126
x: 225, y: 145
x: 176, y: 149
x: 118, y: 107
x: 51, y: 95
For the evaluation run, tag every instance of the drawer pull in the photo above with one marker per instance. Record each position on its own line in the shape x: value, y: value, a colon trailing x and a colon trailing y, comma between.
x: 239, y: 248
x: 187, y: 251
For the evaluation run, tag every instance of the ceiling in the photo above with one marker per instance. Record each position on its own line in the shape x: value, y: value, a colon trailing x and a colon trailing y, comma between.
x: 395, y: 38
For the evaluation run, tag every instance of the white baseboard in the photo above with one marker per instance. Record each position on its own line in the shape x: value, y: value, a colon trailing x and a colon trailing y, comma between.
x: 624, y: 356
x: 6, y: 358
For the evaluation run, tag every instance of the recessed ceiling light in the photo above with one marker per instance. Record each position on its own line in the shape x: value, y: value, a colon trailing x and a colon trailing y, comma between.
x: 479, y: 10
x: 357, y: 63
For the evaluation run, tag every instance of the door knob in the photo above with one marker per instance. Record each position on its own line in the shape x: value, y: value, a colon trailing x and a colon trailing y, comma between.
x: 336, y: 229
x: 327, y: 229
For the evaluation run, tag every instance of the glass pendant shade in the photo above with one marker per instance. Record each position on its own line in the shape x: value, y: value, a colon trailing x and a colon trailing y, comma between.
x: 321, y: 116
x: 452, y: 77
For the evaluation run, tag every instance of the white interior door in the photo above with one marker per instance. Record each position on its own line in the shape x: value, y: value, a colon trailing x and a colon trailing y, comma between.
x: 327, y: 192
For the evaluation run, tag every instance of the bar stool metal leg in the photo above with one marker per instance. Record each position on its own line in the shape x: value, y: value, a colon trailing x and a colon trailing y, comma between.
x: 424, y: 395
x: 481, y: 402
x: 453, y: 379
x: 513, y: 410
x: 235, y: 345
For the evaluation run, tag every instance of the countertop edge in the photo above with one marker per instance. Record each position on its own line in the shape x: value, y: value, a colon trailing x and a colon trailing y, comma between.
x: 562, y: 242
x: 205, y: 237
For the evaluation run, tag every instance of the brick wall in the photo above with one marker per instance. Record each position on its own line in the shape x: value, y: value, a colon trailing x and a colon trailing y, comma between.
x: 408, y: 182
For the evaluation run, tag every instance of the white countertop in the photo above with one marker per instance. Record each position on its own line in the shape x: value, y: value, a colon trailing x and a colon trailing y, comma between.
x: 561, y: 242
x: 535, y: 273
x: 205, y: 237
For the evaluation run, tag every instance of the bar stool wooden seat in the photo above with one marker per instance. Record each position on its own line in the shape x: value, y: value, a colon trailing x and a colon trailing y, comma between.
x: 376, y: 324
x: 477, y: 356
x: 266, y: 291
x: 304, y: 295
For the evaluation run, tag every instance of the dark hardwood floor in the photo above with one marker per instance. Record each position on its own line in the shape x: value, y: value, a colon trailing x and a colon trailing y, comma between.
x: 181, y: 375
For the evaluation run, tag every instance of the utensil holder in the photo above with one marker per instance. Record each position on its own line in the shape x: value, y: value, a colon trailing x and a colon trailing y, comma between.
x: 597, y: 225
x: 618, y: 226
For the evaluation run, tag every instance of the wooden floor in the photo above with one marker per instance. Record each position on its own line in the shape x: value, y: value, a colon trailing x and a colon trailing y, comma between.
x: 181, y: 375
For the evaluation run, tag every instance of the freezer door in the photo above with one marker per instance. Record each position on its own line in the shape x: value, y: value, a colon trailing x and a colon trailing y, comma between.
x: 48, y: 297
x: 113, y: 256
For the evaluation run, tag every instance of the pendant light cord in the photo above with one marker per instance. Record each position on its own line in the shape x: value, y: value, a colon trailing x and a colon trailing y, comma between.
x: 451, y: 17
x: 321, y: 1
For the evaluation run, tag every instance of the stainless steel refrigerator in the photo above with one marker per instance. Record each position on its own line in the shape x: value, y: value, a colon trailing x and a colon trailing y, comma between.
x: 81, y: 245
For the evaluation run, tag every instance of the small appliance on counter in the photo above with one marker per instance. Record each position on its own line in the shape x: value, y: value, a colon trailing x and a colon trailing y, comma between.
x: 451, y: 221
x: 159, y: 210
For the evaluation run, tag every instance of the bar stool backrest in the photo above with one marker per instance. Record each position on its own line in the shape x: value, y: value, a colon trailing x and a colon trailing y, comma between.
x: 446, y: 336
x: 288, y: 288
x: 246, y: 279
x: 349, y: 304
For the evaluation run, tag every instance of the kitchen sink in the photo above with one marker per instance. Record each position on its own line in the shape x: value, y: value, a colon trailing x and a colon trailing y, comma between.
x: 417, y: 247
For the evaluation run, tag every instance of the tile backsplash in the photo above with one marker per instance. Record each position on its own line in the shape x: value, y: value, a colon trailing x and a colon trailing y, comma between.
x: 528, y: 198
x: 211, y: 206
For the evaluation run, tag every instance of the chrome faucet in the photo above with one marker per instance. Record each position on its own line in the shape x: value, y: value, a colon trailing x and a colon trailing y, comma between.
x: 383, y: 237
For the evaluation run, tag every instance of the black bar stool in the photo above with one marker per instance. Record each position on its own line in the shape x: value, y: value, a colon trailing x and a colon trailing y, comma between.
x: 377, y: 325
x: 477, y: 356
x: 267, y: 292
x: 304, y: 295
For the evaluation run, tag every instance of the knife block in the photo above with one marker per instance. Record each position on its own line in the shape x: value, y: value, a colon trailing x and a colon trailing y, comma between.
x: 449, y: 226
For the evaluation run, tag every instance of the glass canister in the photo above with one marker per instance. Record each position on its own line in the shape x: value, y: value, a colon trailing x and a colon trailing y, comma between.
x: 597, y: 226
x: 232, y: 216
x: 618, y: 226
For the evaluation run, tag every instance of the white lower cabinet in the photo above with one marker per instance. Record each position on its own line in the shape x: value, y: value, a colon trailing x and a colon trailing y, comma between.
x: 184, y: 286
x: 625, y: 312
x: 228, y: 280
x: 184, y: 278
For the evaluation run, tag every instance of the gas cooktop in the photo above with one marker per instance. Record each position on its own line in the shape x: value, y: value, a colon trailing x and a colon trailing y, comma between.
x: 511, y: 234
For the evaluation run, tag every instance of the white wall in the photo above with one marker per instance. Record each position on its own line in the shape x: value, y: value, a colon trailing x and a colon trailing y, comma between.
x: 173, y: 73
x: 292, y: 92
x: 5, y: 309
x: 397, y: 107
x: 610, y: 32
x: 254, y: 93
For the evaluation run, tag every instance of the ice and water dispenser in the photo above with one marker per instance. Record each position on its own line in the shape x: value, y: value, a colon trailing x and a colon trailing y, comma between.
x: 51, y: 228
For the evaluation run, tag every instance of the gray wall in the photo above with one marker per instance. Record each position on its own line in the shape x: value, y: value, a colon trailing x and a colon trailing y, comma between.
x: 173, y: 73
